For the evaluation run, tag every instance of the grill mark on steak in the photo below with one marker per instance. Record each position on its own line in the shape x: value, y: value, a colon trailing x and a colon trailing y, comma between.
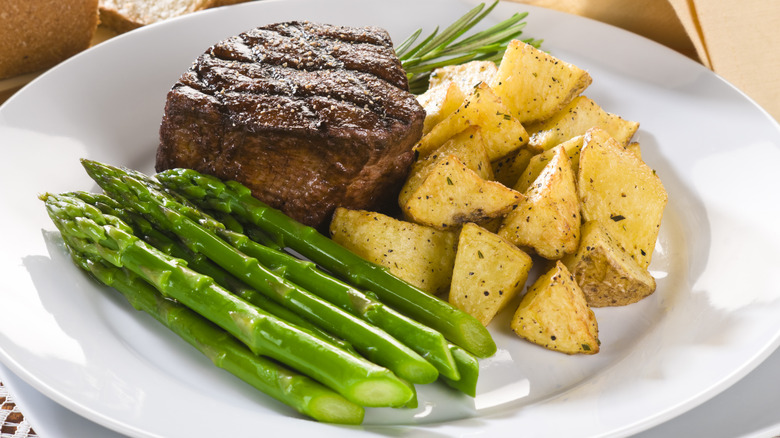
x: 309, y: 116
x: 311, y: 46
x: 303, y: 52
x: 356, y: 88
x: 285, y: 69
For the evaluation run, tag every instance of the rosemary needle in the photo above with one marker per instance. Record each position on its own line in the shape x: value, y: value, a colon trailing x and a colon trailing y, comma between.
x: 442, y: 49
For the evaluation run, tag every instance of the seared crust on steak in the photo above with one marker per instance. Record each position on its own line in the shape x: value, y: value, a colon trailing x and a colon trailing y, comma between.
x: 309, y: 116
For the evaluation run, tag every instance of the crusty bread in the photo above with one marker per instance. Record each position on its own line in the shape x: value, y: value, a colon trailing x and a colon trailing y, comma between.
x: 126, y: 15
x: 37, y: 34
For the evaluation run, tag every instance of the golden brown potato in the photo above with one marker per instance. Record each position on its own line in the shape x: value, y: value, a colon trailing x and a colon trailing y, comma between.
x: 452, y: 195
x: 420, y: 255
x: 539, y: 161
x: 534, y: 85
x: 503, y: 134
x: 448, y: 87
x: 605, y: 273
x: 439, y: 102
x: 508, y: 170
x: 547, y: 220
x: 467, y: 145
x: 466, y: 76
x: 618, y: 189
x: 489, y: 272
x: 635, y: 149
x: 554, y: 314
x: 575, y: 119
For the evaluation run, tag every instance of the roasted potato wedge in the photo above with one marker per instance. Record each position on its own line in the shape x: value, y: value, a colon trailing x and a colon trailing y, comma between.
x: 534, y: 85
x: 439, y: 102
x: 554, y: 314
x: 467, y: 145
x: 418, y: 254
x: 635, y: 149
x: 448, y: 87
x: 466, y: 75
x: 489, y: 272
x: 548, y: 219
x: 539, y: 161
x: 452, y: 195
x: 503, y: 134
x: 607, y: 275
x: 575, y: 119
x: 618, y: 189
x: 507, y: 170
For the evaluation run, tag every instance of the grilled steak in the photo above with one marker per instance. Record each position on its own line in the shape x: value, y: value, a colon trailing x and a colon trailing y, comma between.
x: 309, y: 116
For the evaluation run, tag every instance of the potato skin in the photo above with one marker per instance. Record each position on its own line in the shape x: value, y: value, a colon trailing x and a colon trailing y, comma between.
x: 606, y: 273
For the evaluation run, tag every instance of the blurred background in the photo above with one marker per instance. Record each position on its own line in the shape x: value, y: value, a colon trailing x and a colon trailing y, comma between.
x: 740, y: 41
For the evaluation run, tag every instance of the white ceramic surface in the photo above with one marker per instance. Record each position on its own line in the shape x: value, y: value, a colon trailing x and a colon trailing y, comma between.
x: 748, y: 409
x: 713, y: 318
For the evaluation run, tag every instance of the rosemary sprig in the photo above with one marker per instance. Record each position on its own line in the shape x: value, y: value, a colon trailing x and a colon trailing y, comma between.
x: 442, y: 49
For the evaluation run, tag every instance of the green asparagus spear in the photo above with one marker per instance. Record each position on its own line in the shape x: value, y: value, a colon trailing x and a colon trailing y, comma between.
x: 295, y: 390
x: 422, y: 339
x: 99, y: 235
x: 143, y: 229
x: 370, y: 341
x: 468, y: 366
x: 232, y: 197
x: 199, y: 263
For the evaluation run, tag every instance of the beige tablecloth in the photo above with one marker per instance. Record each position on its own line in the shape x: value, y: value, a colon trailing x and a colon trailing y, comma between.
x: 739, y: 40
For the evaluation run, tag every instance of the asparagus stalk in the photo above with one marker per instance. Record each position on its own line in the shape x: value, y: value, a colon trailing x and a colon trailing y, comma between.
x: 422, y: 339
x: 465, y: 365
x: 142, y: 228
x: 99, y: 235
x: 231, y: 197
x: 468, y: 367
x: 295, y: 390
x: 458, y: 358
x: 370, y: 341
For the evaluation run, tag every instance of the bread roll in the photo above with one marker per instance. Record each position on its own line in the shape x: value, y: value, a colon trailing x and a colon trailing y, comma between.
x: 125, y: 15
x: 37, y: 34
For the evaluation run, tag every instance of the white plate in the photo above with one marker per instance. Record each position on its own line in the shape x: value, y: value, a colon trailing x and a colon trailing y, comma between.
x: 746, y: 410
x: 711, y: 321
